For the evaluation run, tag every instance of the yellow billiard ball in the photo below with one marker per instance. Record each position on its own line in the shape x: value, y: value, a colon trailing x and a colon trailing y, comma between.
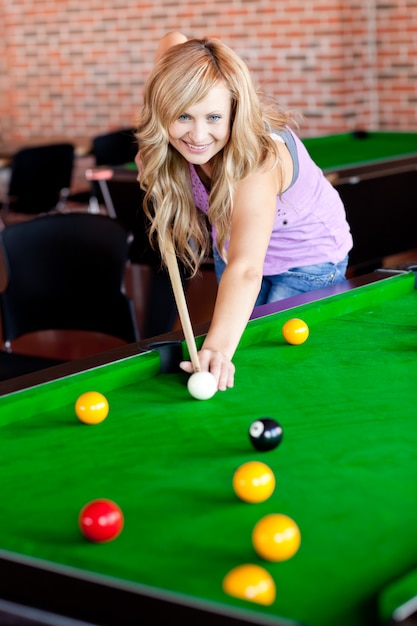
x: 295, y: 331
x: 250, y: 582
x: 92, y: 407
x: 253, y: 482
x: 276, y: 537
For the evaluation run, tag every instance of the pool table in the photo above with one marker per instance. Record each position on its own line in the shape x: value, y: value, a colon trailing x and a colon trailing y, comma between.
x: 346, y: 471
x: 376, y: 176
x: 374, y: 172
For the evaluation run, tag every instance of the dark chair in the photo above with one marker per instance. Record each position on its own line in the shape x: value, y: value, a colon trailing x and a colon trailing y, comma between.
x: 64, y: 272
x: 40, y: 179
x: 114, y: 148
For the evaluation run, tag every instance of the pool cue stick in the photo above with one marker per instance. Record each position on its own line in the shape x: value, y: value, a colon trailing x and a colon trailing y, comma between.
x: 175, y: 278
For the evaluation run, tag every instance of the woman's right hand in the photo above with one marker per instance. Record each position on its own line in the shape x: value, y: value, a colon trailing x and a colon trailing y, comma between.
x: 217, y: 364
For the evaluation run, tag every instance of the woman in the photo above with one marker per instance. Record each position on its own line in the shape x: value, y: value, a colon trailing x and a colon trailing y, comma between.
x: 211, y: 149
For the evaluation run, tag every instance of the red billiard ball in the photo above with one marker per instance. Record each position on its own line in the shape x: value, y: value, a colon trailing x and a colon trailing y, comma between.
x: 295, y: 331
x: 101, y: 520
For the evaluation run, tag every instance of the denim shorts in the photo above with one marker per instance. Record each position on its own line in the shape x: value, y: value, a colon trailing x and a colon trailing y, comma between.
x: 294, y: 281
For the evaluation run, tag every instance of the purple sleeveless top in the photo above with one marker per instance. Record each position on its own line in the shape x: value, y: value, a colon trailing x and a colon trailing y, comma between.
x: 310, y: 223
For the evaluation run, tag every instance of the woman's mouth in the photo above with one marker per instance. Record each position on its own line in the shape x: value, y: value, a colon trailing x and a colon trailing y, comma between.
x: 195, y: 148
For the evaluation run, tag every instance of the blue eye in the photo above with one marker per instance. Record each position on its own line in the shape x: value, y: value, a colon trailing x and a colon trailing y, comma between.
x: 214, y: 118
x: 183, y: 118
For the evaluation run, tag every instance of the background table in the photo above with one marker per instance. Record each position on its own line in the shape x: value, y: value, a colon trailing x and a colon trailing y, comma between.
x: 346, y: 472
x: 376, y: 176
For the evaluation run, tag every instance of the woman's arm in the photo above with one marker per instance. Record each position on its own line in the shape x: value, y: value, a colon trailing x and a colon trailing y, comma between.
x: 252, y: 223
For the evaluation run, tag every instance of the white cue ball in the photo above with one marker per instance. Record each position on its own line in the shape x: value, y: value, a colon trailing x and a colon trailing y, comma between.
x: 202, y: 385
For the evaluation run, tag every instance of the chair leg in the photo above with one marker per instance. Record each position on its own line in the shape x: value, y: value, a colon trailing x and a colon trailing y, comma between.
x: 108, y: 201
x: 63, y: 198
x: 93, y: 205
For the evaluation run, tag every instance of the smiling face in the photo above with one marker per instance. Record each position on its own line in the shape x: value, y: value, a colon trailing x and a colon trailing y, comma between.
x: 203, y: 129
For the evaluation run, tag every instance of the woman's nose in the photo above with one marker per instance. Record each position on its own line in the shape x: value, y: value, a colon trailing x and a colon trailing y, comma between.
x: 198, y: 133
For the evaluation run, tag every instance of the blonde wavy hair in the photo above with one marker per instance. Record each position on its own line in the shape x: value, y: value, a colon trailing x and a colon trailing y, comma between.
x: 182, y: 77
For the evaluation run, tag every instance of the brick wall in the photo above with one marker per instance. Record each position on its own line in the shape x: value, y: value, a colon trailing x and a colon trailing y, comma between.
x: 77, y: 67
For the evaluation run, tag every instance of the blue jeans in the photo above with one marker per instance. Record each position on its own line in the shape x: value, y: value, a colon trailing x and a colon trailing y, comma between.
x: 294, y: 281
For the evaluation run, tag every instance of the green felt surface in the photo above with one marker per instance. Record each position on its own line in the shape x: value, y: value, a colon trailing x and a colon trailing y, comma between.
x: 346, y: 470
x: 342, y: 150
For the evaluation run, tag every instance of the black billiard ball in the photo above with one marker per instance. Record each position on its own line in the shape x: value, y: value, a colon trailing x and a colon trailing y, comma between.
x: 265, y: 434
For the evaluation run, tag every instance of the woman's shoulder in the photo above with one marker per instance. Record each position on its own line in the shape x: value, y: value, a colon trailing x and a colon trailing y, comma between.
x: 284, y: 135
